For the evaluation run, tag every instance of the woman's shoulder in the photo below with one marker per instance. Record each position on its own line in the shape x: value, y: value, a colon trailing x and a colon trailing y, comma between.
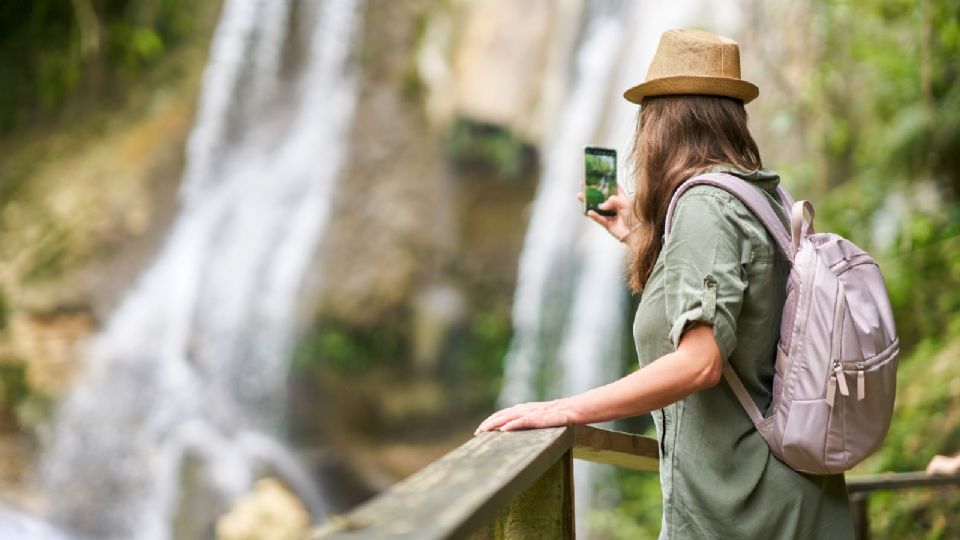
x: 711, y: 203
x: 712, y: 211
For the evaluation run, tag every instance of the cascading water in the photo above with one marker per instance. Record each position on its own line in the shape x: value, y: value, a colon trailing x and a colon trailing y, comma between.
x: 552, y: 256
x: 570, y: 297
x: 185, y: 386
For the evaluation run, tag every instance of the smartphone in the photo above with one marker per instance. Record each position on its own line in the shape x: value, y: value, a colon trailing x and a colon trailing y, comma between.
x: 600, y: 180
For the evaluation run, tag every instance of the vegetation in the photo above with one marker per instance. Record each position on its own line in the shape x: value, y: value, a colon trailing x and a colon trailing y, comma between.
x: 490, y: 149
x: 54, y: 52
x: 889, y: 138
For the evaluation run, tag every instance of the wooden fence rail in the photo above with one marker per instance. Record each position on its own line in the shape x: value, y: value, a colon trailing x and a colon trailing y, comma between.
x: 519, y: 485
x: 497, y: 485
x: 860, y: 487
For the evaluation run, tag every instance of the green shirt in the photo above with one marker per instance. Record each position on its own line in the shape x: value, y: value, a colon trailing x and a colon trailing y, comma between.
x: 718, y: 476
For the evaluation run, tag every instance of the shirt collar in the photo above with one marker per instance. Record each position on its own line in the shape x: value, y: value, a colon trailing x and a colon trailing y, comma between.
x: 764, y: 178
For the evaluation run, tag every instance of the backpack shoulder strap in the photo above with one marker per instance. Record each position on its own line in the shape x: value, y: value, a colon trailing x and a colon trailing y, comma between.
x: 749, y: 196
x: 762, y: 209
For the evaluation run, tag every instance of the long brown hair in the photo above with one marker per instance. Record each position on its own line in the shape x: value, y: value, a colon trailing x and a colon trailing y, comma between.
x: 677, y: 137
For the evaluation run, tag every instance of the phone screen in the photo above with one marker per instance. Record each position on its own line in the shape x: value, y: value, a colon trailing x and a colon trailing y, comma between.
x: 600, y: 180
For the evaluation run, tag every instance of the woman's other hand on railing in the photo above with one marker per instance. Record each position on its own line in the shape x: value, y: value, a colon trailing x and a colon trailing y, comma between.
x: 535, y: 415
x: 623, y: 223
x: 944, y: 465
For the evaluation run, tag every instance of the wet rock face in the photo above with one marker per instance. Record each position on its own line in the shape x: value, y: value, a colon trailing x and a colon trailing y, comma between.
x: 390, y: 216
x: 502, y: 60
x: 406, y: 210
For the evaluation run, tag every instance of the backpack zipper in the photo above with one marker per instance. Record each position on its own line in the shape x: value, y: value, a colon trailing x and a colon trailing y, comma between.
x: 846, y: 264
x: 838, y: 380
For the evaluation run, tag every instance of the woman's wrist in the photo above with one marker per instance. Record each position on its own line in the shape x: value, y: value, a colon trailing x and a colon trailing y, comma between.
x: 632, y: 230
x: 572, y: 409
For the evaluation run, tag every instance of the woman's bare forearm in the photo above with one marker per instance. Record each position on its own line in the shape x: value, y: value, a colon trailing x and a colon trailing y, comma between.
x: 696, y: 364
x: 656, y: 385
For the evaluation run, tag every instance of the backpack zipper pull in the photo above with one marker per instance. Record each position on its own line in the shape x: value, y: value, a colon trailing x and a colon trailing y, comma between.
x: 861, y: 384
x: 841, y: 379
x: 831, y: 389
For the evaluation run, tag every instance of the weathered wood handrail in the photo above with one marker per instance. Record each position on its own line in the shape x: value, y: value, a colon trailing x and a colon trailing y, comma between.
x: 519, y: 485
x: 495, y: 485
x: 891, y: 481
x: 860, y: 487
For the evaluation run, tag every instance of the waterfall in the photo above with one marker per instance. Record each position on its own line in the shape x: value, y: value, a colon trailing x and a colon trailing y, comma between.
x: 552, y: 257
x: 570, y: 299
x: 185, y: 388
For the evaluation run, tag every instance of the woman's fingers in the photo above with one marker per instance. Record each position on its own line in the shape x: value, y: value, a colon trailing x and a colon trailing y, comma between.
x: 503, y: 416
x: 519, y: 423
x: 496, y: 420
x: 618, y: 202
x: 611, y: 224
x: 525, y: 416
x: 602, y: 220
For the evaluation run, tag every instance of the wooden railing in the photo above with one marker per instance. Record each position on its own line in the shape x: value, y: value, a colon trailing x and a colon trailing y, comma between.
x: 860, y: 487
x: 520, y: 485
x: 495, y: 486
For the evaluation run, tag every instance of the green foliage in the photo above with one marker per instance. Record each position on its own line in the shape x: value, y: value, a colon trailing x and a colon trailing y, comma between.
x: 889, y: 87
x: 21, y: 406
x: 477, y: 359
x: 472, y: 363
x: 638, y: 512
x: 926, y: 422
x: 489, y: 147
x: 347, y: 350
x: 50, y: 256
x: 600, y: 164
x: 52, y: 50
x: 4, y: 311
x: 14, y: 389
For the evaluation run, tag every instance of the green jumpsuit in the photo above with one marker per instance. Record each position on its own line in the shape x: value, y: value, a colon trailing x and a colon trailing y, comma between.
x: 719, y: 478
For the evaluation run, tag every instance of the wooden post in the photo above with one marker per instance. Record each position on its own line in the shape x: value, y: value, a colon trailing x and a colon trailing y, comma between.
x: 861, y: 518
x: 543, y: 512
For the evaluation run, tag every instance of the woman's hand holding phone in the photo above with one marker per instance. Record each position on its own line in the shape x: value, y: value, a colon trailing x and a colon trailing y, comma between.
x: 621, y: 224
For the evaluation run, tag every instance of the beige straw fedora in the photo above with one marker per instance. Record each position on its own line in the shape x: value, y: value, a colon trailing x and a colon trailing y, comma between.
x: 694, y: 62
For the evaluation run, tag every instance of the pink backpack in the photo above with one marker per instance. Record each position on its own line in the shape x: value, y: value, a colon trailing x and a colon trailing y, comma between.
x: 836, y: 365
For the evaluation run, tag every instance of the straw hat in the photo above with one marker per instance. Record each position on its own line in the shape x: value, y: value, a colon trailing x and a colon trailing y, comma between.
x: 694, y: 62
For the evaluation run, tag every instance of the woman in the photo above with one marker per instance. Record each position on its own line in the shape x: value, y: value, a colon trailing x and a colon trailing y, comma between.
x: 712, y: 294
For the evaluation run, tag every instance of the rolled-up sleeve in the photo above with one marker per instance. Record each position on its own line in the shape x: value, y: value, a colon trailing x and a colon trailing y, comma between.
x: 703, y: 260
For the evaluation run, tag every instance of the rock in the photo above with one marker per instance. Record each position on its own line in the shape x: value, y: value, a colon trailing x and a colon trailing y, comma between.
x: 392, y: 217
x: 269, y: 512
x: 54, y: 346
x: 506, y: 58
